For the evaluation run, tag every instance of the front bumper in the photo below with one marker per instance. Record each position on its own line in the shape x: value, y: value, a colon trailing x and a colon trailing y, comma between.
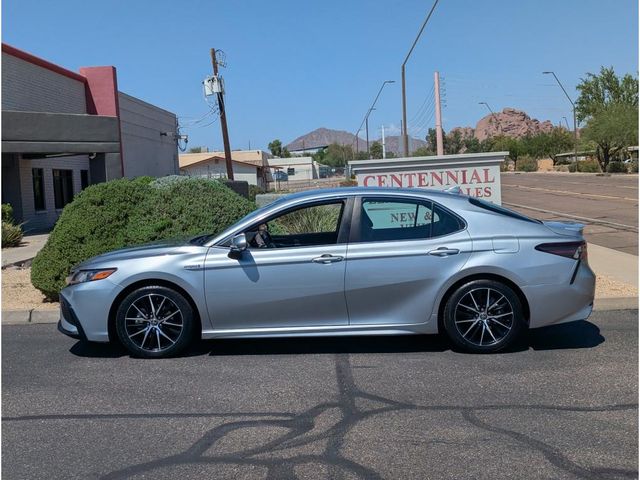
x: 69, y: 323
x: 561, y: 303
x: 84, y: 309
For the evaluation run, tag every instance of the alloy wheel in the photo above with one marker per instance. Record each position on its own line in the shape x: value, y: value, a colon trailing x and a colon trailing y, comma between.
x: 154, y: 322
x: 484, y: 317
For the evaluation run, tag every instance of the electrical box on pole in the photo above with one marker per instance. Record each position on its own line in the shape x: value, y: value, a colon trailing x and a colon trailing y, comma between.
x: 213, y: 85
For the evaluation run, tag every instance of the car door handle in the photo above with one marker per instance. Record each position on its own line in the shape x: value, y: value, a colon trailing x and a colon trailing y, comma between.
x: 327, y: 258
x: 444, y: 252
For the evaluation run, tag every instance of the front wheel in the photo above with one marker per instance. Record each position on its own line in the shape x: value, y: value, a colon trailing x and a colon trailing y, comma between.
x: 483, y: 316
x: 154, y: 322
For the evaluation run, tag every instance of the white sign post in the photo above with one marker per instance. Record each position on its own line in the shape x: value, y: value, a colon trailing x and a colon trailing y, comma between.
x: 477, y: 174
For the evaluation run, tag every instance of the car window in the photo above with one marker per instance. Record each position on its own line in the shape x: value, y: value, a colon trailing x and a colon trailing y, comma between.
x: 306, y: 226
x: 387, y: 220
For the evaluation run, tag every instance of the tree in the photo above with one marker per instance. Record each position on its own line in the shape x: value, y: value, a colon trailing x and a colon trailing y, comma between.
x: 453, y: 143
x: 195, y: 150
x: 432, y: 143
x: 609, y: 104
x: 547, y: 144
x: 612, y: 129
x: 276, y: 148
x: 422, y: 152
x: 375, y: 150
x: 605, y: 89
x: 335, y: 155
x: 286, y: 153
x: 472, y: 145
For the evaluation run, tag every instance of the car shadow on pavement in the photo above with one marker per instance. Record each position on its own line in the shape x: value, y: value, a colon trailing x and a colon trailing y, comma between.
x: 574, y: 335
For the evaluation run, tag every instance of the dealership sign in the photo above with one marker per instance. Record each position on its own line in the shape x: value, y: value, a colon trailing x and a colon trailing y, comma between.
x: 477, y: 175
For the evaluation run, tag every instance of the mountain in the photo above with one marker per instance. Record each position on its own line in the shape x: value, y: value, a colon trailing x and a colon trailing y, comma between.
x: 394, y: 144
x: 326, y: 136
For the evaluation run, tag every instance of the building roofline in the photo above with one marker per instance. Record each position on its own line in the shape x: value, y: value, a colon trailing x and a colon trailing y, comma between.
x: 213, y: 157
x: 41, y: 62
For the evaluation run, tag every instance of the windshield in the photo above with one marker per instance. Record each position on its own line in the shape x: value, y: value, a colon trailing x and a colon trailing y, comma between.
x: 202, y: 239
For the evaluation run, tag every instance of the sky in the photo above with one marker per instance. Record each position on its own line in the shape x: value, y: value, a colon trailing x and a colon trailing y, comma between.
x: 294, y: 66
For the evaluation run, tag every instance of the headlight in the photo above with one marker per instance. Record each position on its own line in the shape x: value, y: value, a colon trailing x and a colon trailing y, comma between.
x: 82, y: 276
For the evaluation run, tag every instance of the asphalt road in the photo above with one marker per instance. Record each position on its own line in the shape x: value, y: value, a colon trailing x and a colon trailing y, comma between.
x: 606, y: 200
x: 564, y: 404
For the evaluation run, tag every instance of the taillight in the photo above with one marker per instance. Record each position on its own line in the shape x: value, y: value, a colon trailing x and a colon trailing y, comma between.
x: 575, y: 250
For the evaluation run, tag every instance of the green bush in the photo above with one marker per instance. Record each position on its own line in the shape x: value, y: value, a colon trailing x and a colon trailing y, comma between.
x: 11, y: 234
x: 586, y: 166
x: 616, y: 167
x: 7, y: 213
x: 124, y: 212
x: 633, y: 166
x: 526, y: 164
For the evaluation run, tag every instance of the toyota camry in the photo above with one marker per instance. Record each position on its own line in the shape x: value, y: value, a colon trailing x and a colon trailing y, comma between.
x: 348, y: 261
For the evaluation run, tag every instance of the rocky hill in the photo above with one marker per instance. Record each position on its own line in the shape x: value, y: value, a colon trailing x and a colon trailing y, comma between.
x: 509, y: 122
x: 326, y: 136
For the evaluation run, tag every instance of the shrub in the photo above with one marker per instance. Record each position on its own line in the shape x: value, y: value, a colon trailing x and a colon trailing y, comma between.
x: 7, y: 213
x: 349, y: 183
x: 526, y: 164
x: 586, y: 166
x: 633, y: 166
x: 124, y: 212
x: 11, y: 234
x: 616, y: 167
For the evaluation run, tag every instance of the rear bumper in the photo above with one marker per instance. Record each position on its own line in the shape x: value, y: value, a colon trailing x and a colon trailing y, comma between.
x: 559, y: 303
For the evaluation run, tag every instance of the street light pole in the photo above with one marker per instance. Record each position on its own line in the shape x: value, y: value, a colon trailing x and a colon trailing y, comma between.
x: 366, y: 120
x: 575, y: 123
x: 366, y: 117
x: 405, y: 136
x: 493, y: 115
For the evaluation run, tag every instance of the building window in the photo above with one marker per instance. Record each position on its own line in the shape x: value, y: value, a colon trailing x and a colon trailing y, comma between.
x: 37, y: 175
x: 291, y: 171
x: 84, y: 179
x: 62, y: 187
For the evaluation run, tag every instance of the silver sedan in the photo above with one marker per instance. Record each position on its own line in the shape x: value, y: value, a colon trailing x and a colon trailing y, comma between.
x: 346, y: 261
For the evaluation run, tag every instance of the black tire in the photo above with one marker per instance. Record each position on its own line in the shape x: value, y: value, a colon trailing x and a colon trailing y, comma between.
x: 467, y: 321
x: 137, y: 319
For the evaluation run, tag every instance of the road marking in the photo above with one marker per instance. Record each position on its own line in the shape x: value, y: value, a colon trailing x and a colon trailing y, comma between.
x: 632, y: 187
x: 573, y: 194
x: 595, y: 221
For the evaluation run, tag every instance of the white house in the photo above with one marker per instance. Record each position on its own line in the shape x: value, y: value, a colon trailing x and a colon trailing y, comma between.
x: 211, y: 165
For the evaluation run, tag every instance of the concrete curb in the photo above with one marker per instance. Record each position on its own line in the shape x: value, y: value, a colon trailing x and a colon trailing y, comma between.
x: 24, y: 317
x: 621, y: 303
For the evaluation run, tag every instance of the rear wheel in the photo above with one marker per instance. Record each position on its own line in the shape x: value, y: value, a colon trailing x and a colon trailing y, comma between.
x: 483, y: 316
x: 154, y: 322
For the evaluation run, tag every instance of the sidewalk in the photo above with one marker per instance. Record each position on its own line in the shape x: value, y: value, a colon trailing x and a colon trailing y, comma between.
x: 29, y: 248
x: 620, y: 266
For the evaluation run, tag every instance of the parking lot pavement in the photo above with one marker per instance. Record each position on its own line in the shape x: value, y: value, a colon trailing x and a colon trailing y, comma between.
x: 611, y: 202
x: 561, y: 405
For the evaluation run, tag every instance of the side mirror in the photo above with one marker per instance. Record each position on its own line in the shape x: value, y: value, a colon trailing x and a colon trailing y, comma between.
x: 239, y: 243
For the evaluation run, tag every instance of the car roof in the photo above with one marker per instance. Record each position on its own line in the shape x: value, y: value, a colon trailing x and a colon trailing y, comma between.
x: 352, y: 191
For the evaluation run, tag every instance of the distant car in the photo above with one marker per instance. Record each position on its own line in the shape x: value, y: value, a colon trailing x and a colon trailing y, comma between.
x: 280, y: 176
x: 348, y: 261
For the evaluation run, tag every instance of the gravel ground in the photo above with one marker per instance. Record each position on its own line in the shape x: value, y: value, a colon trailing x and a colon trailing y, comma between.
x: 18, y: 293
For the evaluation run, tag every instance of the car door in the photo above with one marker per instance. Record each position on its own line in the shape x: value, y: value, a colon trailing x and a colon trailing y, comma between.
x: 400, y: 253
x: 296, y: 280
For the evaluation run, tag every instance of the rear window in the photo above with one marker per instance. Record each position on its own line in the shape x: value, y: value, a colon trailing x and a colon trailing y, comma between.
x: 501, y: 210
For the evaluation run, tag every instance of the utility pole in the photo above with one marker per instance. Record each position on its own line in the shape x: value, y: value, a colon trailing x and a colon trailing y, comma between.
x: 439, y: 143
x: 223, y: 119
x: 405, y: 136
x: 384, y: 146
